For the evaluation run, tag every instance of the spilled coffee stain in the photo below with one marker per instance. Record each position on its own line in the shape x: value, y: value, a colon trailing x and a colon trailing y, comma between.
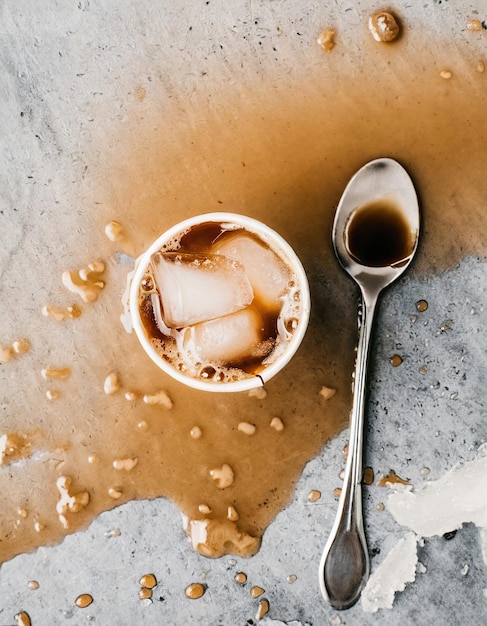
x: 140, y: 93
x: 283, y: 156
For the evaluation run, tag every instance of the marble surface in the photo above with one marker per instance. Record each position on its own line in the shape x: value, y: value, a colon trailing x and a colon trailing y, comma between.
x: 56, y: 58
x: 434, y: 421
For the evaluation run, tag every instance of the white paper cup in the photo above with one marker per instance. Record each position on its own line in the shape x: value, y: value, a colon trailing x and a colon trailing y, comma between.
x: 277, y: 244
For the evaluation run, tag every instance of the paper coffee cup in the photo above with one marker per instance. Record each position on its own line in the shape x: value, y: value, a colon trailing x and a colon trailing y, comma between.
x: 291, y: 321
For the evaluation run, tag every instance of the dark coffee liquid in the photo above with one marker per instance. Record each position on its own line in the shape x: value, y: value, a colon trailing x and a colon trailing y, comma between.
x: 202, y: 237
x: 379, y: 235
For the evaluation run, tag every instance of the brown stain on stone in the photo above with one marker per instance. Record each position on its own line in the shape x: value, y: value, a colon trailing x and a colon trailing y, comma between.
x: 140, y: 93
x: 300, y: 146
x: 392, y: 479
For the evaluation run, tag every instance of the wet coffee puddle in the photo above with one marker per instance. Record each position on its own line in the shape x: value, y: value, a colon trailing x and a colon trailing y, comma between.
x: 75, y: 449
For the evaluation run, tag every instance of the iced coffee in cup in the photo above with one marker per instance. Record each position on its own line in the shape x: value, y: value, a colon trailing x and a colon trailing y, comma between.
x: 220, y: 302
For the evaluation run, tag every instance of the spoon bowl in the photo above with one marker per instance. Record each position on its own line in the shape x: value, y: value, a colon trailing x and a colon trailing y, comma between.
x: 384, y: 190
x: 375, y: 235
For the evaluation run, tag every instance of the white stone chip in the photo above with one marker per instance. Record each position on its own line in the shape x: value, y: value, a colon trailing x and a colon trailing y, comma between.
x: 113, y: 230
x: 125, y: 464
x: 327, y: 392
x: 444, y: 505
x: 246, y: 428
x: 276, y: 424
x: 161, y: 398
x: 396, y: 570
x: 258, y: 392
x: 111, y: 384
x: 223, y: 476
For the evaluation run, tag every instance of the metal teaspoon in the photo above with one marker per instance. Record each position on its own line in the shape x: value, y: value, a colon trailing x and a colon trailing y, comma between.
x: 375, y: 235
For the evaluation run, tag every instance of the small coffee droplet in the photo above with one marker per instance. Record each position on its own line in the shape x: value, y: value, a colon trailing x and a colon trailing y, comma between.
x: 473, y: 24
x: 262, y: 609
x: 326, y: 39
x: 23, y: 619
x: 314, y: 495
x: 384, y: 27
x: 392, y: 479
x: 148, y: 580
x: 292, y: 578
x: 33, y: 584
x: 145, y: 593
x: 241, y: 578
x: 380, y: 506
x: 83, y: 600
x: 337, y: 492
x: 421, y: 306
x: 368, y: 477
x: 194, y: 591
x: 255, y: 592
x: 395, y: 360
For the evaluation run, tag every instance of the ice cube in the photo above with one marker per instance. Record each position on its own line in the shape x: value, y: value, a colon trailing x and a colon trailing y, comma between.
x: 230, y: 338
x: 267, y: 273
x: 197, y: 287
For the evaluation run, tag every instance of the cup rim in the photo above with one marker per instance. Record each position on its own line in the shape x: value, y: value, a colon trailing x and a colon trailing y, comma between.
x: 269, y: 236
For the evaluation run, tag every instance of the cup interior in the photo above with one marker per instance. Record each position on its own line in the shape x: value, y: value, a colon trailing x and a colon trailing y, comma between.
x: 278, y: 245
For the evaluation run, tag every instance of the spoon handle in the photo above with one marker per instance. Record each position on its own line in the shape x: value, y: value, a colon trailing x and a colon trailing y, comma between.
x: 344, y: 567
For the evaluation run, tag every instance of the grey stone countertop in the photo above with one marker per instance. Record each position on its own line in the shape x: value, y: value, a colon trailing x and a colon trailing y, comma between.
x: 68, y: 66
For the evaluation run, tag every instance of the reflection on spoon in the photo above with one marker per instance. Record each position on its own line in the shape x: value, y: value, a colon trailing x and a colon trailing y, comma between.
x: 375, y: 235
